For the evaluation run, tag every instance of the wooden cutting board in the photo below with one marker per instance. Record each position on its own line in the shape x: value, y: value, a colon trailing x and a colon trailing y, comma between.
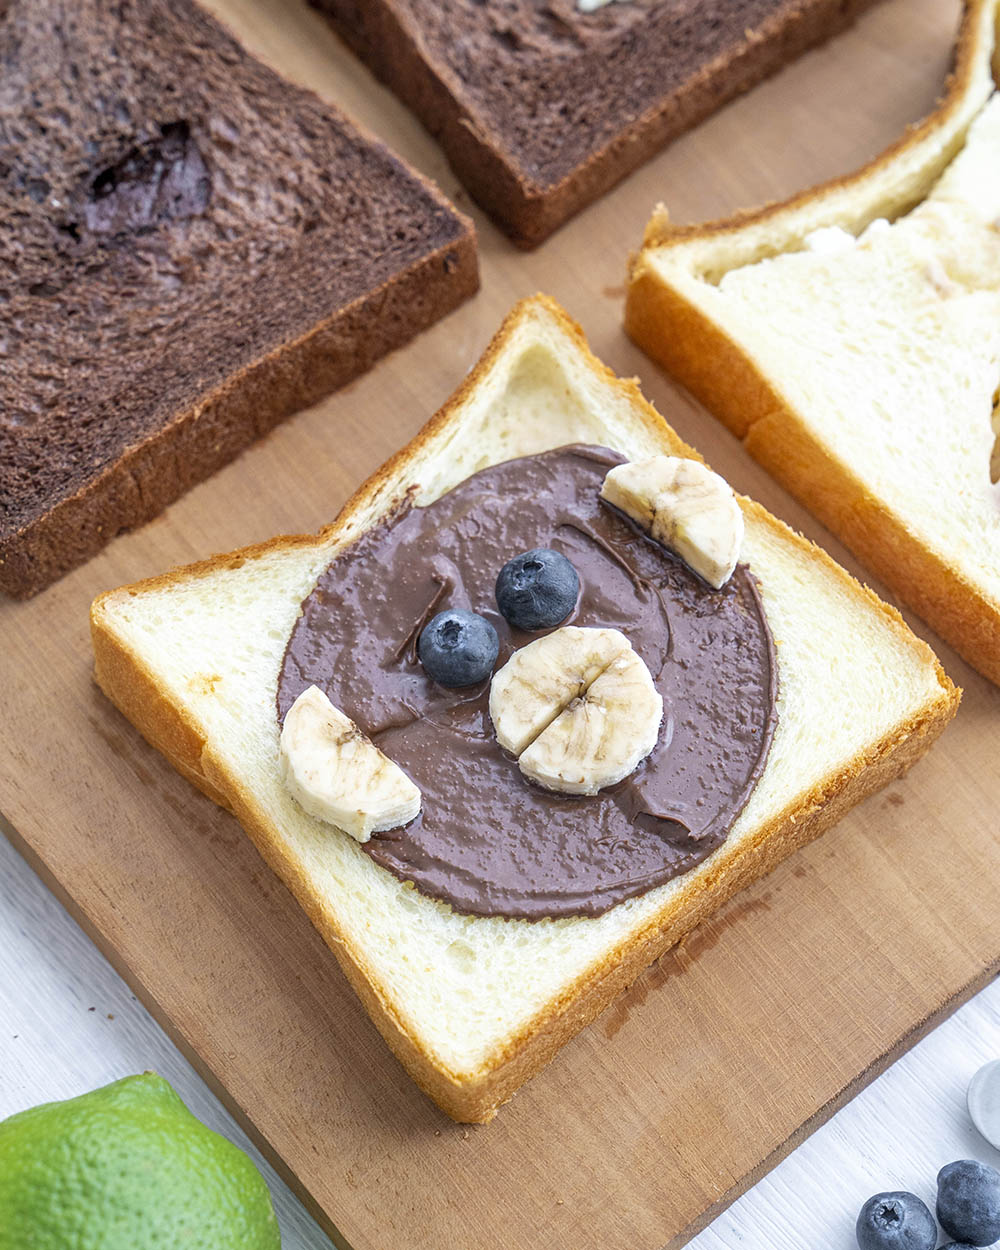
x: 731, y: 1049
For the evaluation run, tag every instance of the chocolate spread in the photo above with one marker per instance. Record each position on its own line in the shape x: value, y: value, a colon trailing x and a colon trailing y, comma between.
x: 488, y: 841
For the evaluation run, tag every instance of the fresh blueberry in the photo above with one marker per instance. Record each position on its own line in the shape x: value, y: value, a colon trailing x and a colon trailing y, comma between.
x: 896, y: 1221
x: 968, y: 1203
x: 958, y: 1245
x: 458, y: 648
x: 537, y: 589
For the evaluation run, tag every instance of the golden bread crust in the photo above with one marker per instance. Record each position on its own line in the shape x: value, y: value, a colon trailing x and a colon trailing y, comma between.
x: 660, y: 232
x: 727, y: 380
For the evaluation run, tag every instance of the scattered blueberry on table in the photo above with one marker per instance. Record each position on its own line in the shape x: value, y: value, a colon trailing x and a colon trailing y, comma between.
x: 968, y: 1202
x: 968, y: 1198
x: 896, y: 1221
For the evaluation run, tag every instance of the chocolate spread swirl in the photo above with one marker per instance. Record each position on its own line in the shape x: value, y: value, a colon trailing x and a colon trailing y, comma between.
x: 488, y: 841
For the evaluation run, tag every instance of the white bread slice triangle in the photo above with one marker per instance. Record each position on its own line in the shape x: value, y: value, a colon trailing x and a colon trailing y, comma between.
x: 475, y: 1006
x: 861, y: 366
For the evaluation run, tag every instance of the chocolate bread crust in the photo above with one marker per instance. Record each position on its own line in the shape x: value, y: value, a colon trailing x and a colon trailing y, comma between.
x: 193, y: 250
x: 541, y: 109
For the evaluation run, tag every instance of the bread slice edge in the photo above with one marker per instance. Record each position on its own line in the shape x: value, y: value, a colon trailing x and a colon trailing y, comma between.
x: 666, y: 318
x: 528, y: 208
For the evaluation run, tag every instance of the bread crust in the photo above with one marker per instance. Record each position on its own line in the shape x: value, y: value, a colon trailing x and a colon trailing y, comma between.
x: 474, y: 1096
x: 528, y: 209
x: 966, y: 57
x: 697, y: 352
x: 207, y: 433
x: 150, y: 475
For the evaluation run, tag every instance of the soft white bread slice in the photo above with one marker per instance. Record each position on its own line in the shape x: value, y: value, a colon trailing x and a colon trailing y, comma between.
x: 474, y: 1006
x: 858, y: 361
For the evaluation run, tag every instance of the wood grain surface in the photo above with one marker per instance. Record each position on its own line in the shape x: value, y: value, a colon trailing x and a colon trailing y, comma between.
x: 68, y: 1023
x: 733, y: 1047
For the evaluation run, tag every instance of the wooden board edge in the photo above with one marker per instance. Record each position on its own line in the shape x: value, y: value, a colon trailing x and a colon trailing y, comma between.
x: 244, y: 1118
x: 840, y: 1100
x: 147, y: 998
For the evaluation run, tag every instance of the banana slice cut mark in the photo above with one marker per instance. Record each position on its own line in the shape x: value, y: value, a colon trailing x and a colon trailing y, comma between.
x: 686, y: 507
x: 578, y: 708
x: 338, y: 775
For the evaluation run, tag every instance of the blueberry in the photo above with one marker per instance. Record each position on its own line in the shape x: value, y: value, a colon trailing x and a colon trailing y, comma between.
x: 896, y: 1221
x: 537, y: 589
x: 458, y: 648
x: 968, y: 1203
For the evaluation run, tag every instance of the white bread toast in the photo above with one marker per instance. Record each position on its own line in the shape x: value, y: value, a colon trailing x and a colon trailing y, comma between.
x: 474, y: 1006
x: 861, y: 364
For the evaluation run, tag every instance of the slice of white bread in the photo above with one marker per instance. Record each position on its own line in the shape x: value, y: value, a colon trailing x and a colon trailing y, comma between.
x: 474, y: 1006
x: 861, y: 365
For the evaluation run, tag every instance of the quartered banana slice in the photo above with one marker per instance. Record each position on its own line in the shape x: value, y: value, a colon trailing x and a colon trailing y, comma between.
x: 685, y: 506
x: 340, y: 776
x: 578, y: 708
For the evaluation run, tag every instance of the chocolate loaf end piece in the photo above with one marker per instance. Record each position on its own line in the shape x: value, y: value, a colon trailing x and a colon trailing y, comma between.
x: 541, y: 108
x: 191, y: 249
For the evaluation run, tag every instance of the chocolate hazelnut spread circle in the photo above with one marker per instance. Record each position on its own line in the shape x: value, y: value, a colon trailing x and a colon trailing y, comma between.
x: 488, y: 841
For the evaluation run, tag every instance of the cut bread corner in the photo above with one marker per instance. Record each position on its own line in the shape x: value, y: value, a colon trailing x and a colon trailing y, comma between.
x: 850, y: 336
x: 473, y: 1006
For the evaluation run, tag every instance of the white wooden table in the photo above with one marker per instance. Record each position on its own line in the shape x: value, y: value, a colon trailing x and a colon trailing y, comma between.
x: 69, y: 1023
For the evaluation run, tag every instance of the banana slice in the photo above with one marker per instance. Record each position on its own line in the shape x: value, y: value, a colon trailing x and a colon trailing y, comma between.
x: 539, y: 680
x: 340, y: 776
x: 685, y: 506
x: 578, y: 708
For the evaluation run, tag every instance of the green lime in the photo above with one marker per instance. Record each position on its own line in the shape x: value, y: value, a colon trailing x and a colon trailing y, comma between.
x: 127, y: 1167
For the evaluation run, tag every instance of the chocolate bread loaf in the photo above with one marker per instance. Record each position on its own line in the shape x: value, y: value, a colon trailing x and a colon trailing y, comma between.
x: 191, y: 249
x: 541, y: 107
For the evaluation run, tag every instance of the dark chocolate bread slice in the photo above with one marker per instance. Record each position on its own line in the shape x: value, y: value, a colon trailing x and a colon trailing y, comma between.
x: 191, y: 249
x: 541, y: 107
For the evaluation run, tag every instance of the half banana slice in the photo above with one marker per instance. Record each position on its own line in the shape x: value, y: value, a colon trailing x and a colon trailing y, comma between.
x: 578, y: 708
x: 340, y: 776
x: 685, y: 506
